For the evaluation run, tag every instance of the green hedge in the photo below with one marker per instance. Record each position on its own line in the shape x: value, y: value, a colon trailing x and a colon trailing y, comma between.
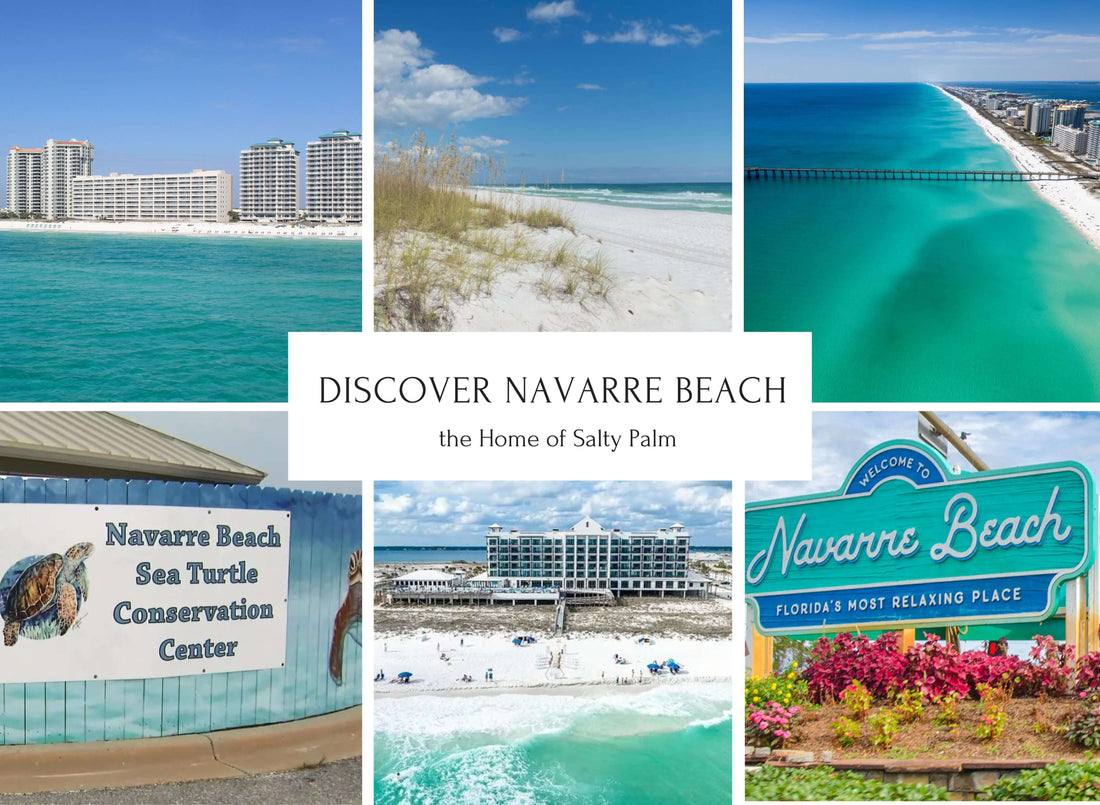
x: 824, y: 783
x: 1063, y: 780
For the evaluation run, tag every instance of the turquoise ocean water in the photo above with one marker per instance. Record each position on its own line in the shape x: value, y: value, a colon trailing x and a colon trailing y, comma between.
x: 716, y: 197
x: 89, y: 317
x: 670, y: 744
x: 968, y: 291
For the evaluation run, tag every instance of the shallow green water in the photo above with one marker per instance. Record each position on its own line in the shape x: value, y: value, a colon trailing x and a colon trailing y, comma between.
x: 913, y: 290
x: 87, y: 317
x: 630, y: 749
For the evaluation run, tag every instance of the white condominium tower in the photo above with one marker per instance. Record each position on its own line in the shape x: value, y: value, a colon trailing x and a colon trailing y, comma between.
x: 334, y: 177
x: 39, y: 179
x: 201, y: 195
x: 25, y: 180
x: 269, y: 182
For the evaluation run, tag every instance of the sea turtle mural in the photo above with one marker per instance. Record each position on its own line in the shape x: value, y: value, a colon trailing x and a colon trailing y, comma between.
x: 348, y: 616
x: 40, y: 596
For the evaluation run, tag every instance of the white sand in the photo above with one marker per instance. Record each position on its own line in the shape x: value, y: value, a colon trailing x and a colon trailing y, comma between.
x: 586, y: 661
x: 1076, y: 204
x: 670, y: 270
x: 239, y: 229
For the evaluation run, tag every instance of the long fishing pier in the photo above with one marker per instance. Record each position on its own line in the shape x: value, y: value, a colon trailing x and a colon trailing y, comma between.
x: 889, y: 174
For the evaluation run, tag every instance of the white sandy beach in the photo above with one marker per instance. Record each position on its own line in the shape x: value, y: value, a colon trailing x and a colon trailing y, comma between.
x: 1076, y: 204
x: 585, y: 661
x: 185, y: 228
x: 669, y: 270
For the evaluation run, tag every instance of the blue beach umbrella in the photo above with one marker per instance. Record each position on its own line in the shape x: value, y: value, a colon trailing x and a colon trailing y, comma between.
x: 653, y: 666
x: 404, y: 675
x: 670, y: 662
x: 516, y: 641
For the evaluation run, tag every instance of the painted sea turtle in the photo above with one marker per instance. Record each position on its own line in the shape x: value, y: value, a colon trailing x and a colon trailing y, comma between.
x: 48, y: 590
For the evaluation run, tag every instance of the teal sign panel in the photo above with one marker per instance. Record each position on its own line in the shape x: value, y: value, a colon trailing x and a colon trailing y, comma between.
x: 904, y: 542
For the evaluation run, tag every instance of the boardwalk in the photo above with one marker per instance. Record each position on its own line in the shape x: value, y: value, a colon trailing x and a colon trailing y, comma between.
x: 912, y: 175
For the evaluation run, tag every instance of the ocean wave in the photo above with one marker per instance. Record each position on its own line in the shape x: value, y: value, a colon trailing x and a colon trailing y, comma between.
x: 713, y: 722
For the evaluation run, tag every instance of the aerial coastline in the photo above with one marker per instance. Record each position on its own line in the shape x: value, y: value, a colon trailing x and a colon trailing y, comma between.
x: 1074, y: 200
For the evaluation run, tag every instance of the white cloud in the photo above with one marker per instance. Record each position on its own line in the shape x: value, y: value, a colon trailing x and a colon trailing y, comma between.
x: 507, y: 34
x: 393, y: 504
x: 520, y: 79
x: 438, y: 507
x: 784, y: 39
x: 409, y: 89
x: 483, y: 142
x: 562, y: 108
x: 589, y: 86
x: 645, y: 32
x: 552, y: 12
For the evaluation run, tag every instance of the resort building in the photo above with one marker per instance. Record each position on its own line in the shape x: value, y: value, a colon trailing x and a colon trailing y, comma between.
x: 334, y: 178
x: 39, y: 179
x: 1037, y: 119
x: 1092, y: 148
x: 433, y: 580
x: 202, y: 195
x: 1075, y: 141
x: 269, y: 182
x: 1072, y: 115
x: 25, y: 180
x: 590, y: 557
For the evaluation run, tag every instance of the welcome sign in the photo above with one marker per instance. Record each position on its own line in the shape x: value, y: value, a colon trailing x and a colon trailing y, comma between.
x: 903, y: 542
x: 134, y: 592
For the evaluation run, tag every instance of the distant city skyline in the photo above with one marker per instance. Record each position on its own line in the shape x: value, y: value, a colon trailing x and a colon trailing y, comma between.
x: 606, y: 90
x: 458, y: 513
x: 167, y: 88
x: 857, y: 41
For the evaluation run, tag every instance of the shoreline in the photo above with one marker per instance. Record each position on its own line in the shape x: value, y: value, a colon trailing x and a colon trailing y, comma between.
x: 1075, y: 203
x: 350, y: 232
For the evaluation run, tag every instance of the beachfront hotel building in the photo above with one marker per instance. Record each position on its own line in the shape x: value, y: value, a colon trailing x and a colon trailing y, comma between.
x: 1037, y: 118
x: 25, y: 180
x: 334, y: 178
x: 1092, y: 147
x: 591, y: 557
x: 1070, y: 139
x: 40, y: 179
x: 269, y: 182
x: 202, y: 195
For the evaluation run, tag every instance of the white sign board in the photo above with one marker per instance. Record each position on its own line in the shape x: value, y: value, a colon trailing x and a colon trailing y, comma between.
x: 133, y: 592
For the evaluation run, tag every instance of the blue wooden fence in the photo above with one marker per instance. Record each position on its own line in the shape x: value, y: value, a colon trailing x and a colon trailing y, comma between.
x: 325, y: 529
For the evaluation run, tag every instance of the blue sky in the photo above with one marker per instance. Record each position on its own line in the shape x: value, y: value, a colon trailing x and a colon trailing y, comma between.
x: 459, y: 512
x: 608, y: 91
x: 1001, y: 439
x: 936, y: 40
x: 167, y: 87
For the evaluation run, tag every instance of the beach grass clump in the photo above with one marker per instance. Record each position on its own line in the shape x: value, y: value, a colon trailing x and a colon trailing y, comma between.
x: 439, y: 240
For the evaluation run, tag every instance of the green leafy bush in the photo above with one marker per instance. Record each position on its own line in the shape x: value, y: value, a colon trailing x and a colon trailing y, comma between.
x: 823, y: 783
x: 909, y: 706
x: 845, y: 731
x: 884, y: 728
x: 785, y: 688
x: 857, y: 699
x: 948, y: 715
x: 992, y: 722
x: 1084, y: 729
x: 1058, y: 781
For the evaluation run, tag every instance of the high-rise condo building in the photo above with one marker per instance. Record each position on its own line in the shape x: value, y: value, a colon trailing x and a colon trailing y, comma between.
x: 334, y: 177
x: 201, y: 195
x: 61, y: 161
x: 1039, y: 124
x: 1075, y: 141
x: 590, y: 557
x: 42, y: 176
x: 269, y: 182
x: 25, y: 180
x: 1069, y: 115
x: 1092, y: 148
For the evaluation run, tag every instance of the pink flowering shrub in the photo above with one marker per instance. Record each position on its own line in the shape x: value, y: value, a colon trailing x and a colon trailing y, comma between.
x: 935, y: 669
x: 770, y: 725
x: 1002, y: 671
x: 1051, y: 667
x: 837, y: 662
x: 1088, y: 674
